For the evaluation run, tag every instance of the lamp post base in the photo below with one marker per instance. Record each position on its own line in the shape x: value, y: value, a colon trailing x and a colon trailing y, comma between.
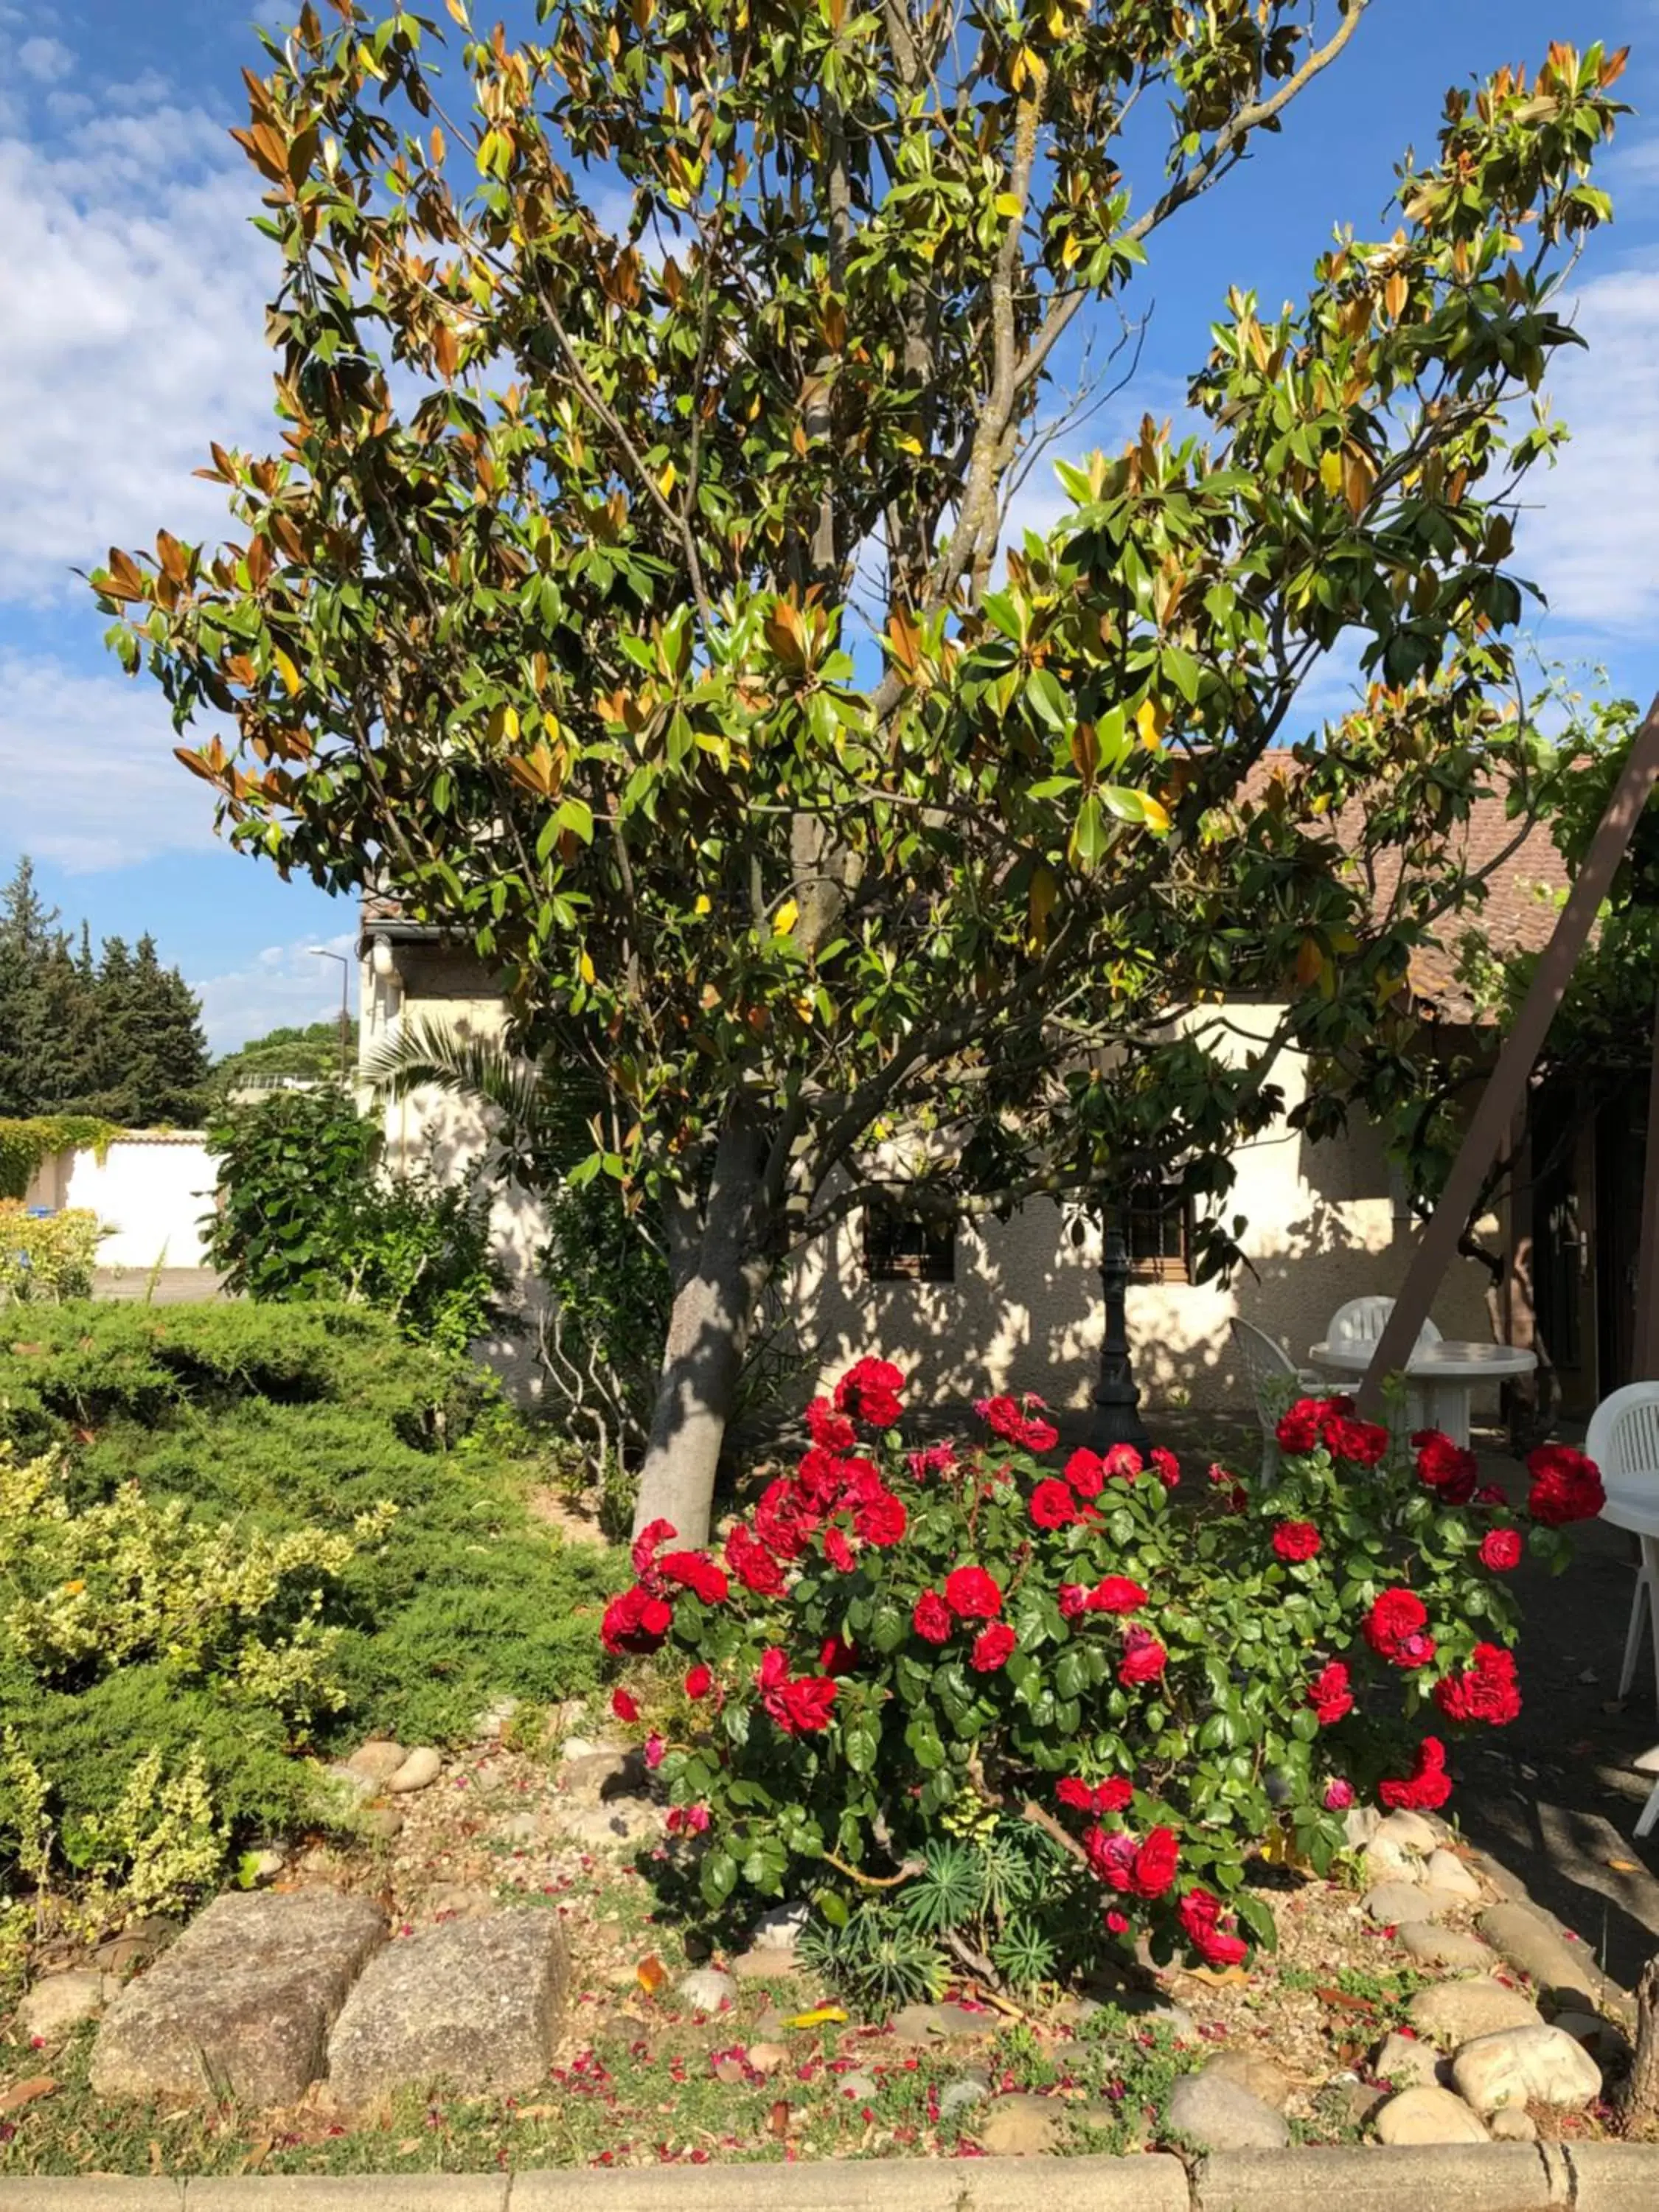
x: 1117, y: 1417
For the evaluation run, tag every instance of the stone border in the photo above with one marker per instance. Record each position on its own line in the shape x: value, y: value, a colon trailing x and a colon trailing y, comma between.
x: 1437, y: 2177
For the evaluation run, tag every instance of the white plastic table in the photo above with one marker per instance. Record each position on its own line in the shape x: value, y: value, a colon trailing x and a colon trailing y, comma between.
x: 1637, y: 1510
x: 1442, y: 1377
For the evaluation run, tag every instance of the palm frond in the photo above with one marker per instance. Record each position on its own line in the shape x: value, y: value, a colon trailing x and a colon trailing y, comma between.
x: 546, y: 1114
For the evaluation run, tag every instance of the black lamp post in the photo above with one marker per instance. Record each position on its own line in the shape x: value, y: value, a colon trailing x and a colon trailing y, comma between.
x: 1117, y: 1420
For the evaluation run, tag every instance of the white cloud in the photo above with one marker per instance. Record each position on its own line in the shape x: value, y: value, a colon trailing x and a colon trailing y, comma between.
x: 87, y: 767
x: 45, y: 60
x: 1593, y: 542
x: 284, y: 986
x: 132, y: 293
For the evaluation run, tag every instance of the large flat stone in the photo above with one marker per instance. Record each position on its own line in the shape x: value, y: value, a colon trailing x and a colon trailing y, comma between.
x: 1564, y: 1973
x: 1454, y: 2013
x: 243, y: 2002
x: 473, y: 2003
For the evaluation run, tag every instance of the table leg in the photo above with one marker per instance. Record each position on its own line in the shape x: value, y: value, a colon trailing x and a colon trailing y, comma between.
x: 1649, y: 1569
x: 1446, y: 1408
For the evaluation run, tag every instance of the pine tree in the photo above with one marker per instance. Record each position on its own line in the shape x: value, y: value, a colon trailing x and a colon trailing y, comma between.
x: 27, y: 927
x: 172, y: 1065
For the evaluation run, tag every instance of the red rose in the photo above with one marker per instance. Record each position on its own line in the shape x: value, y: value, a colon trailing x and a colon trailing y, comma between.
x: 1001, y: 1416
x: 1166, y: 1467
x: 1235, y: 1496
x: 1144, y: 1659
x: 931, y: 1618
x: 753, y: 1564
x: 1296, y: 1539
x: 1566, y: 1486
x: 972, y: 1595
x: 1486, y: 1690
x: 1038, y: 1436
x: 1116, y: 1923
x: 830, y: 1430
x: 804, y: 1707
x: 1053, y: 1505
x: 1394, y: 1628
x: 783, y: 1519
x: 654, y: 1533
x: 1427, y: 1788
x: 1445, y: 1467
x: 698, y: 1572
x: 624, y: 1706
x: 1122, y: 1463
x: 1330, y: 1695
x: 1116, y: 1593
x: 881, y: 1520
x: 1298, y: 1426
x: 992, y: 1647
x: 1074, y: 1600
x: 1489, y: 1494
x: 835, y: 1657
x: 1361, y: 1443
x: 869, y: 1392
x: 1086, y: 1473
x: 774, y: 1667
x: 1199, y: 1914
x: 838, y: 1550
x: 1111, y: 1858
x: 698, y: 1682
x: 1155, y: 1864
x: 1500, y: 1550
x: 1108, y: 1796
x: 932, y: 1461
x: 635, y: 1622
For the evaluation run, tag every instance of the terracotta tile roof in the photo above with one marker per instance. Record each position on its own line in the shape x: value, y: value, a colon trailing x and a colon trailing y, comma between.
x: 1524, y: 876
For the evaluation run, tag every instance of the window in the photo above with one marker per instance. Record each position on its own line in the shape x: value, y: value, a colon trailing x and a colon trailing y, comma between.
x: 1158, y: 1229
x: 903, y: 1248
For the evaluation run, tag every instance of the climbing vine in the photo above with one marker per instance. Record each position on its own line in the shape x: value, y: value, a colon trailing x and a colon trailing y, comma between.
x: 25, y: 1144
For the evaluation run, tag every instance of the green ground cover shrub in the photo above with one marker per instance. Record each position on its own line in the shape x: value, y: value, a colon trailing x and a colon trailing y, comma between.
x: 237, y: 1532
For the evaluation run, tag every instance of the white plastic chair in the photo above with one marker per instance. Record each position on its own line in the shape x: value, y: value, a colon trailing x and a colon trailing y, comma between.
x: 1623, y: 1439
x: 1362, y: 1321
x: 1275, y: 1381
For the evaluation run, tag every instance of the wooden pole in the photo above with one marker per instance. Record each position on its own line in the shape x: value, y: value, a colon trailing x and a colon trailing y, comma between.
x: 1506, y: 1086
x: 1644, y: 1351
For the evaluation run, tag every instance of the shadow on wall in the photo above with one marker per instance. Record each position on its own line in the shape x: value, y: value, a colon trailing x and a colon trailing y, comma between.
x: 1025, y: 1310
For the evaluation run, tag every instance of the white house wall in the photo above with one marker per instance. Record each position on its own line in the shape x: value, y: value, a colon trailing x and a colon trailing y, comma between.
x: 1025, y: 1310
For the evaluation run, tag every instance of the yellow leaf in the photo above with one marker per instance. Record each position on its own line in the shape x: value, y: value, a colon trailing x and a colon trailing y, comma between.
x: 651, y: 1974
x: 1150, y: 720
x: 786, y: 917
x: 1071, y: 251
x: 668, y: 479
x: 287, y: 671
x: 458, y: 10
x: 1009, y: 205
x: 1330, y: 472
x: 584, y: 968
x: 820, y: 2016
x: 704, y: 903
x: 1624, y: 1866
x: 1228, y: 1977
x: 1157, y: 815
x: 73, y: 1588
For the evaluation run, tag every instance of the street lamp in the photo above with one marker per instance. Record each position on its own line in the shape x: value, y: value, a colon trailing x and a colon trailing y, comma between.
x: 1117, y: 1420
x: 322, y: 952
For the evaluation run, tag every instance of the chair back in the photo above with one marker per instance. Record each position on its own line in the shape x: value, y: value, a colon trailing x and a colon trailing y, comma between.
x: 1362, y: 1321
x: 1623, y: 1438
x: 1270, y: 1371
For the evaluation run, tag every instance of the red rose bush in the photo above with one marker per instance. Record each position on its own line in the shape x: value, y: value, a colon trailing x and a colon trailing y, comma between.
x: 892, y: 1649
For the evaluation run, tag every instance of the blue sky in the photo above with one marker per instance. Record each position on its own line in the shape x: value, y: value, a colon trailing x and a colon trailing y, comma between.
x: 130, y: 298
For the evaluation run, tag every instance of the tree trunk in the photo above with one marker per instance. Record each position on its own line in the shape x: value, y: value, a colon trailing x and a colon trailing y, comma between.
x: 1638, y: 2100
x: 708, y: 1325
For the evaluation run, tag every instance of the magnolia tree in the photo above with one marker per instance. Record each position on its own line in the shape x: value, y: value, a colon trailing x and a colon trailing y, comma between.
x: 898, y: 1652
x: 625, y: 595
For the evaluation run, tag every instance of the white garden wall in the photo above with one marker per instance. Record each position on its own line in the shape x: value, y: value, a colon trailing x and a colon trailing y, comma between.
x: 151, y: 1190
